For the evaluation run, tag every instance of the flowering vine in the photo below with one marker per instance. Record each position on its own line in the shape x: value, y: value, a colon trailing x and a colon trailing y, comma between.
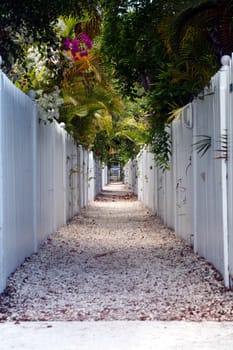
x: 50, y: 71
x: 77, y: 48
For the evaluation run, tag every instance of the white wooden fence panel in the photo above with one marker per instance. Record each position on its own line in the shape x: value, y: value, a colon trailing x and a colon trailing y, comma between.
x: 196, y: 196
x: 91, y: 177
x: 72, y: 179
x: 43, y: 178
x: 85, y: 176
x: 134, y: 171
x: 160, y: 183
x: 151, y: 181
x: 145, y: 177
x: 81, y: 175
x: 104, y: 176
x: 2, y: 254
x: 208, y: 213
x: 59, y: 175
x: 169, y: 215
x: 229, y: 130
x: 204, y: 208
x: 129, y: 176
x: 182, y: 172
x: 140, y: 176
x: 153, y: 186
x: 101, y: 176
x: 17, y: 191
x: 156, y: 193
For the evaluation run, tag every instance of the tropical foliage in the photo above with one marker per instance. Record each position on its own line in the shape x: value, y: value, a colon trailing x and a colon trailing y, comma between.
x: 213, y: 22
x: 170, y: 48
x: 31, y: 21
x: 157, y: 55
x: 71, y: 86
x: 92, y: 110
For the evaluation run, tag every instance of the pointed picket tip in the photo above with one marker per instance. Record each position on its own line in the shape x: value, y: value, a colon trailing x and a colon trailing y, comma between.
x: 225, y: 60
x: 32, y: 94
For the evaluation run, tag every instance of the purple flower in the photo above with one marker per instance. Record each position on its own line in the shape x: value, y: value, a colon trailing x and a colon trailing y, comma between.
x: 75, y: 46
x: 84, y: 36
x: 78, y: 46
x: 86, y: 40
x: 67, y: 44
x: 84, y: 53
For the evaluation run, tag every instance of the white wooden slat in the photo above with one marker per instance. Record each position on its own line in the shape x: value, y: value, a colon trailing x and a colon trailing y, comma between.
x: 16, y: 110
x: 229, y: 128
x: 182, y: 171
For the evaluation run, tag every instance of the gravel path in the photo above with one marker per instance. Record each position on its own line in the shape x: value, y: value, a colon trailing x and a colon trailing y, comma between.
x: 115, y: 261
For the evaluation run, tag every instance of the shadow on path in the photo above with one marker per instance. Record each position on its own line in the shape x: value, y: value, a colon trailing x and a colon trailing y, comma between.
x: 115, y: 261
x: 116, y: 191
x: 117, y: 264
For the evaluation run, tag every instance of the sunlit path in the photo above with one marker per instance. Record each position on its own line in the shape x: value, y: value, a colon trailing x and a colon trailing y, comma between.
x: 115, y: 261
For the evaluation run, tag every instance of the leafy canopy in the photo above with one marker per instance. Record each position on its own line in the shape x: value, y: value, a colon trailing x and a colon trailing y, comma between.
x: 157, y: 54
x: 34, y: 21
x: 170, y: 48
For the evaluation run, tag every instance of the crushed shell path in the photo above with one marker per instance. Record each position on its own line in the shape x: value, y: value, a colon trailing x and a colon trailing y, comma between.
x: 115, y: 261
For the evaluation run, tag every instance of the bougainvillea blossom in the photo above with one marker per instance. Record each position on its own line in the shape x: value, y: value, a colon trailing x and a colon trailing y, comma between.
x: 86, y: 40
x: 77, y: 48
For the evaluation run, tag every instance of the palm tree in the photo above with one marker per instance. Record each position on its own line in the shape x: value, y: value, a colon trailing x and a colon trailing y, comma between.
x: 196, y: 37
x: 92, y: 109
x: 212, y: 19
x: 90, y: 102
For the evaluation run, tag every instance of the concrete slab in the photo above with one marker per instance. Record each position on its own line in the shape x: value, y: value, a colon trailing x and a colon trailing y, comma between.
x: 116, y: 335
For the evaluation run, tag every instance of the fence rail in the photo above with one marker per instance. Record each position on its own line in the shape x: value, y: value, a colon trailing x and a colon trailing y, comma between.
x: 195, y: 197
x: 45, y: 178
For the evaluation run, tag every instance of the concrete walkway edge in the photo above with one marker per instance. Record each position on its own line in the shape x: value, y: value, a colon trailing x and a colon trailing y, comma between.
x: 116, y: 335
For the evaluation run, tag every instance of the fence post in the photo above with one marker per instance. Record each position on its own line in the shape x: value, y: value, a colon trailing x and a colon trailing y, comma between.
x: 64, y: 136
x: 195, y: 186
x: 81, y: 190
x: 223, y: 115
x: 230, y: 173
x: 31, y: 94
x: 2, y: 272
x: 85, y: 175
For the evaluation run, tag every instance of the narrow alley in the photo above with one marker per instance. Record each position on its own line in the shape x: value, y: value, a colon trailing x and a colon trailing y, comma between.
x: 115, y: 261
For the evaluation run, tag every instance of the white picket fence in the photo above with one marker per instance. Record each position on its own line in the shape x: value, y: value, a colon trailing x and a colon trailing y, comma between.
x: 45, y: 178
x: 195, y: 197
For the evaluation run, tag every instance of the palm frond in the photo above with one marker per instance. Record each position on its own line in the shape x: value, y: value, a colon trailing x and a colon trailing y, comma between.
x: 175, y: 114
x: 223, y: 150
x: 66, y: 26
x: 202, y: 145
x: 185, y: 16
